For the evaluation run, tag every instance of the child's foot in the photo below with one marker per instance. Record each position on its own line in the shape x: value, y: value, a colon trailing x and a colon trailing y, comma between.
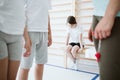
x: 75, y: 67
x: 74, y: 64
x: 75, y: 61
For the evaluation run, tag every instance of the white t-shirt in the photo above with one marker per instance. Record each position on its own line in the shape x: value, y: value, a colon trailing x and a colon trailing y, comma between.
x: 74, y: 34
x: 37, y: 15
x: 12, y: 16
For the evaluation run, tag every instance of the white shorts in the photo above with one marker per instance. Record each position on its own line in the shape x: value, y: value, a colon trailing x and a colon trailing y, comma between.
x: 39, y: 50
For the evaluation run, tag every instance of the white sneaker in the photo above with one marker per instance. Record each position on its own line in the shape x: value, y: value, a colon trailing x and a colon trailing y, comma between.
x: 74, y: 66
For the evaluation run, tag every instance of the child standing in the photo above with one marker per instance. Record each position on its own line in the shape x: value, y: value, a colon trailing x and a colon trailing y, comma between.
x: 12, y: 23
x: 38, y: 25
x: 74, y: 38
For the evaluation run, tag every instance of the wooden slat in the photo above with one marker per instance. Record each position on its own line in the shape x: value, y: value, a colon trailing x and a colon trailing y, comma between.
x: 87, y: 16
x: 85, y: 23
x: 59, y: 42
x: 59, y: 30
x: 59, y: 36
x: 87, y: 59
x: 58, y: 17
x: 63, y: 10
x: 57, y: 23
x: 60, y: 48
x: 86, y: 8
x: 86, y: 1
x: 62, y: 4
x: 56, y: 54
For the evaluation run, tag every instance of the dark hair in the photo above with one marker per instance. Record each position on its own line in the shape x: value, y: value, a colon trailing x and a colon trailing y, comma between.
x: 71, y: 20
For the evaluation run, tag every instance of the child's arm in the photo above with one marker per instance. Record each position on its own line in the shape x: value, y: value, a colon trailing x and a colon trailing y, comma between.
x: 49, y: 32
x: 67, y: 39
x: 27, y: 45
x: 81, y: 43
x: 90, y: 34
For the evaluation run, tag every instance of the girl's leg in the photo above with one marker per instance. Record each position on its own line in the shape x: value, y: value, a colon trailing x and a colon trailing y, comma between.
x: 3, y: 59
x: 74, y: 51
x: 26, y: 64
x: 41, y: 55
x: 15, y: 47
x: 12, y: 69
x: 23, y: 74
x: 68, y: 50
x: 39, y: 71
x: 3, y: 68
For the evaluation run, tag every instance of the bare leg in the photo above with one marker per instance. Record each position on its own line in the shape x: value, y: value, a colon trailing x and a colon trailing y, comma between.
x: 12, y: 69
x: 39, y: 71
x: 3, y: 68
x: 74, y: 51
x: 23, y: 74
x: 68, y: 50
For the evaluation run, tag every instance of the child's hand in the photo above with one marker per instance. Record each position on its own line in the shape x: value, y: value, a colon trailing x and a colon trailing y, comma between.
x: 103, y: 28
x: 27, y: 46
x: 80, y: 50
x: 49, y: 40
x: 90, y: 35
